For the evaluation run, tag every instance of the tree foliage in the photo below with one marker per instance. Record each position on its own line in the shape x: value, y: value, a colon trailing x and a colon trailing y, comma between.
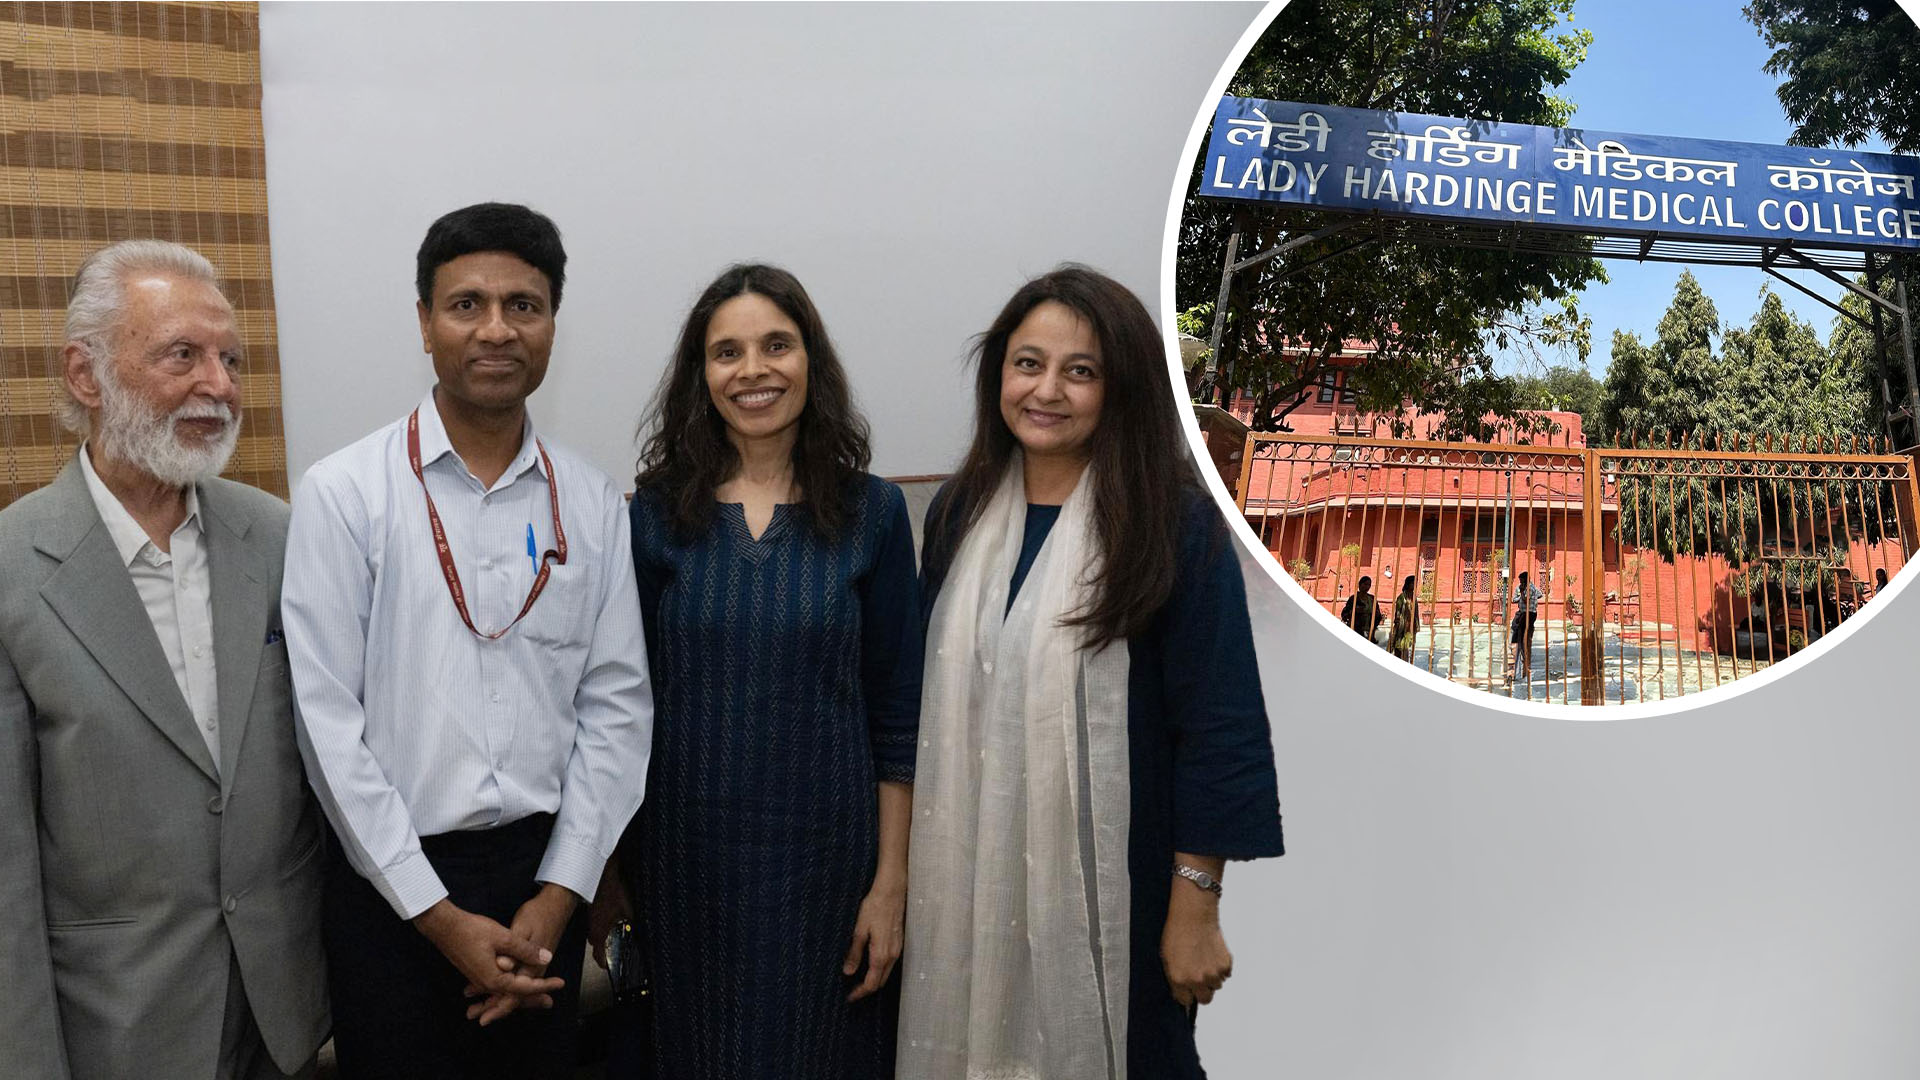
x: 1562, y: 388
x: 1772, y: 377
x: 1857, y: 354
x: 1768, y: 386
x: 1436, y: 314
x: 1669, y: 385
x: 1851, y: 70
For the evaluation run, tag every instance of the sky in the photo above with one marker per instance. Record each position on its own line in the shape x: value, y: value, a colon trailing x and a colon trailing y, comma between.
x: 1689, y: 68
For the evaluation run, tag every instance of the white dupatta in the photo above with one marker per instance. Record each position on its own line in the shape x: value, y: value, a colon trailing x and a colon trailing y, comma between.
x: 1015, y: 965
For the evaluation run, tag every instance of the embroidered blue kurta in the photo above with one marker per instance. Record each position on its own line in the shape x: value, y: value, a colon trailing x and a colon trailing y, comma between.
x: 786, y: 683
x: 1201, y: 758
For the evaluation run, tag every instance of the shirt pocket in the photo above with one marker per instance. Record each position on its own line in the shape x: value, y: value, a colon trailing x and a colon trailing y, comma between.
x: 561, y: 619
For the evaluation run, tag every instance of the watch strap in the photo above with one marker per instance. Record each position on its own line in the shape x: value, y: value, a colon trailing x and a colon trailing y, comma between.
x: 1200, y: 878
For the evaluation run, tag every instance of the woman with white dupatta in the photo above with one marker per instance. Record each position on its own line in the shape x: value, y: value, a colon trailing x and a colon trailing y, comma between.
x: 1093, y: 742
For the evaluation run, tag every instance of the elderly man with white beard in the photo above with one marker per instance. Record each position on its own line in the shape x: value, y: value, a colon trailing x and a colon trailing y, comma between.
x: 159, y: 848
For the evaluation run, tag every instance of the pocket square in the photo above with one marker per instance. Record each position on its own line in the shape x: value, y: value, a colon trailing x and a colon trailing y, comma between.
x: 274, y: 636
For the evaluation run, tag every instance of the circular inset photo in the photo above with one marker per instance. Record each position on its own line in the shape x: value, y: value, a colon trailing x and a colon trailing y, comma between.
x: 1570, y: 414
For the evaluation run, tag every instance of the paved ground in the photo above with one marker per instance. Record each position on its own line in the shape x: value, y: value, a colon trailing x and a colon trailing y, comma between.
x: 1644, y: 666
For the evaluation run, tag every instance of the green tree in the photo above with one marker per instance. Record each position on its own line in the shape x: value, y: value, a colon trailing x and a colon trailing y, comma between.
x: 1667, y: 386
x: 1856, y: 359
x: 1436, y: 314
x: 1564, y: 389
x: 1771, y: 385
x: 1779, y: 377
x: 1851, y: 70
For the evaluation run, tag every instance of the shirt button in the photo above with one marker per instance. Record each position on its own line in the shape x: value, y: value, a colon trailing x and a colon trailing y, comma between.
x: 986, y: 666
x: 199, y: 651
x: 486, y: 564
x: 231, y: 904
x: 500, y: 765
x: 208, y: 725
x: 495, y: 695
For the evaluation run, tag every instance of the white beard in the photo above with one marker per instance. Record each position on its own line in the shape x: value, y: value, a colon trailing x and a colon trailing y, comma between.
x: 134, y: 433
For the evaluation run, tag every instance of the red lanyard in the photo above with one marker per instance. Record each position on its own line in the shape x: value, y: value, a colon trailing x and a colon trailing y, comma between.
x: 556, y: 554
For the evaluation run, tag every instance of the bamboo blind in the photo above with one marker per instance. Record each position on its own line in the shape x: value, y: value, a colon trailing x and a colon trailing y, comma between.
x: 117, y: 121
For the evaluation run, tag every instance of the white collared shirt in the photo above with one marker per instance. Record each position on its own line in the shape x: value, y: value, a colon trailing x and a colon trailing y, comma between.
x: 177, y: 590
x: 410, y: 724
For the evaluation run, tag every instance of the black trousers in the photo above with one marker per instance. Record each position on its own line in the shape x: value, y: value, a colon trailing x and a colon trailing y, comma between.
x: 398, y: 1010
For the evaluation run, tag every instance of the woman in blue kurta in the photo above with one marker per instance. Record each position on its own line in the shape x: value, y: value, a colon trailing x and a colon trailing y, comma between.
x: 766, y: 867
x: 1111, y: 749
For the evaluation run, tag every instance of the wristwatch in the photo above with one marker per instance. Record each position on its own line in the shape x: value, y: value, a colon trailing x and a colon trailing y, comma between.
x: 1199, y: 877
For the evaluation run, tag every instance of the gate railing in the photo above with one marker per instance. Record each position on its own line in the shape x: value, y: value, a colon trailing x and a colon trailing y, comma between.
x: 1660, y: 570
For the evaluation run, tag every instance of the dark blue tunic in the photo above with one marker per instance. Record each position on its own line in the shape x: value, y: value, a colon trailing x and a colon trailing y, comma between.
x: 1201, y: 755
x: 786, y: 681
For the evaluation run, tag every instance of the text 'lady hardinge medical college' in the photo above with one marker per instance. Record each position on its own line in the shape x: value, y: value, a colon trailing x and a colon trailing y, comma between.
x: 1436, y: 166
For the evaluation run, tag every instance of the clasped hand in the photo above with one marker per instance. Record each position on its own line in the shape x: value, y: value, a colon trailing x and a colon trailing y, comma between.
x: 505, y: 966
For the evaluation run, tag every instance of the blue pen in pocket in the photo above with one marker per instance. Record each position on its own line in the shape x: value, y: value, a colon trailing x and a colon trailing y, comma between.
x: 533, y: 552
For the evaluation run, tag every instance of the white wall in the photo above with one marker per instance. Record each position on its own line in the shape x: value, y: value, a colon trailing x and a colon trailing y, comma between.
x: 1724, y: 892
x: 911, y: 164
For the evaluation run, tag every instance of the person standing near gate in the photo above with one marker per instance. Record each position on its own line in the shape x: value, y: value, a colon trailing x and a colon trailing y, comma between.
x: 472, y: 684
x: 1406, y: 621
x: 1526, y: 607
x: 1361, y: 612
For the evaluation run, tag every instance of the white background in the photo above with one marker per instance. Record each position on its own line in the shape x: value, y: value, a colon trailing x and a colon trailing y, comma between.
x: 913, y: 165
x: 1727, y: 891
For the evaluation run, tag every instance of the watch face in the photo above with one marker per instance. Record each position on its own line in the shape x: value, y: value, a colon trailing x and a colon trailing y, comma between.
x: 1198, y: 877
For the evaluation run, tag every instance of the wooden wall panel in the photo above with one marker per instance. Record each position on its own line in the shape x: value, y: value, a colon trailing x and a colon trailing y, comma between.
x: 123, y: 120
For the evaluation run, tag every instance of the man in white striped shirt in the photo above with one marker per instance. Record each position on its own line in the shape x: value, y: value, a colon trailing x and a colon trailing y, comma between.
x: 470, y: 676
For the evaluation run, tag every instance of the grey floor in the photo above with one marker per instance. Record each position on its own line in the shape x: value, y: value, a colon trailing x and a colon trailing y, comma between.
x: 1645, y: 665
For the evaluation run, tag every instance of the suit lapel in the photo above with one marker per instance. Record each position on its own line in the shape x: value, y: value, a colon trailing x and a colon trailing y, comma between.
x: 94, y: 596
x: 242, y: 609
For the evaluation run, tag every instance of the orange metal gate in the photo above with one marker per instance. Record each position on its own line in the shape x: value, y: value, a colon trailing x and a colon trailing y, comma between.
x: 1655, y: 570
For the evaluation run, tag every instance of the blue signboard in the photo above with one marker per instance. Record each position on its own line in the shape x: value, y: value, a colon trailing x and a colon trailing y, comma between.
x: 1571, y: 178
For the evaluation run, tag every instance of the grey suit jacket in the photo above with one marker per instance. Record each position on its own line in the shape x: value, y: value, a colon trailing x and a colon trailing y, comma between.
x: 129, y: 863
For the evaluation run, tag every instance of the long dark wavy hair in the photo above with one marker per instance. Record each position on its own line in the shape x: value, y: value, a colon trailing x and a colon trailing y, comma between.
x: 687, y: 454
x: 1141, y: 471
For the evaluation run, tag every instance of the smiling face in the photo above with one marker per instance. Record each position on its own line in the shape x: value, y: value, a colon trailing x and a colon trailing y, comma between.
x: 756, y: 368
x: 1052, y: 383
x: 490, y: 330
